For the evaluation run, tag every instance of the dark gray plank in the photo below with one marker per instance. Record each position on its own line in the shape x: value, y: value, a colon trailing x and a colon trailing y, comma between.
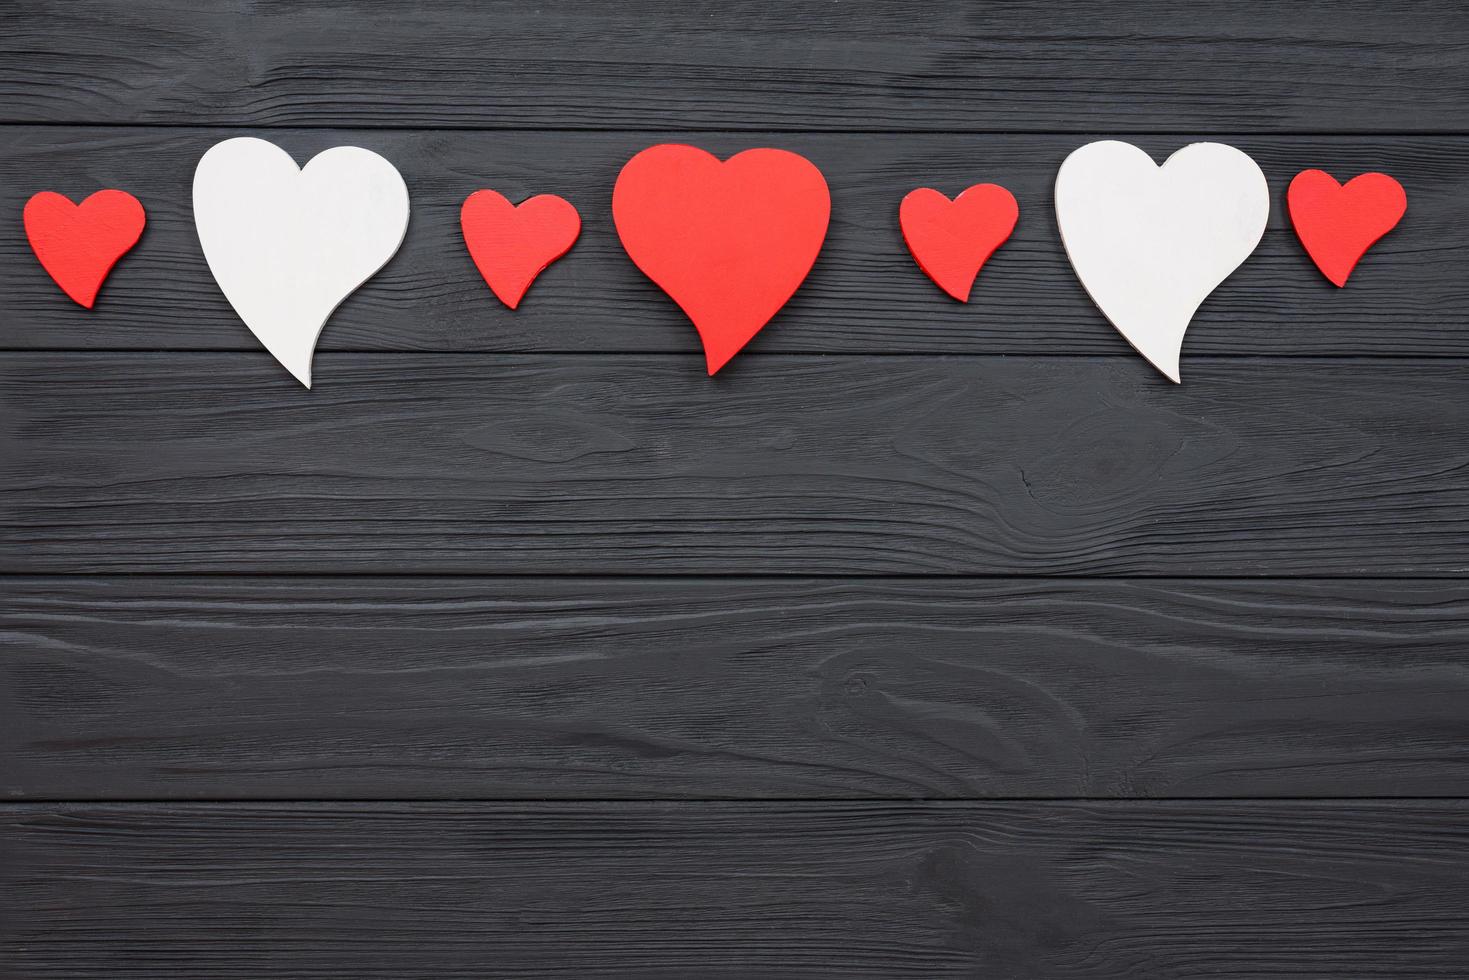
x: 1352, y: 65
x: 1020, y: 890
x: 627, y: 465
x: 159, y: 688
x: 865, y: 294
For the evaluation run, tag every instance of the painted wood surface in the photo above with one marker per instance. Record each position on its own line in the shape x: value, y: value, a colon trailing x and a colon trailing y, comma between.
x: 1348, y: 66
x: 519, y: 688
x: 865, y: 295
x: 1151, y: 242
x: 287, y: 242
x: 1178, y: 675
x: 1028, y: 890
x: 219, y: 463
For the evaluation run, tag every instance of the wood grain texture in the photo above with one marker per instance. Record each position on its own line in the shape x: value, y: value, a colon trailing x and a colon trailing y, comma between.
x: 1045, y: 891
x: 1349, y: 66
x: 794, y: 465
x: 790, y: 581
x: 166, y: 688
x: 865, y: 295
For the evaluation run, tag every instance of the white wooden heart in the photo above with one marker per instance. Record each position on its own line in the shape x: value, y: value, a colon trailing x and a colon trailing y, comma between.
x: 288, y: 244
x: 1151, y: 243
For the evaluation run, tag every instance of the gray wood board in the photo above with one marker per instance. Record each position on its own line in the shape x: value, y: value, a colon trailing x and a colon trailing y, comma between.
x: 804, y: 890
x: 783, y: 464
x: 865, y: 294
x: 161, y: 687
x: 1348, y: 66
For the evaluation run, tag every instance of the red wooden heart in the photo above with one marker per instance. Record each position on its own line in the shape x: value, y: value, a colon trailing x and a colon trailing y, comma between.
x: 78, y: 244
x: 510, y: 244
x: 951, y: 240
x: 1337, y: 223
x: 728, y: 241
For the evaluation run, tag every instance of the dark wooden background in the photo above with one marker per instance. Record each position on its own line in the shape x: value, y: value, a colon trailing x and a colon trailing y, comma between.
x: 926, y: 641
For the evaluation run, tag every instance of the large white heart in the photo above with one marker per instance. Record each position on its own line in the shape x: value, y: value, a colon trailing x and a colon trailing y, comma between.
x: 288, y: 244
x: 1151, y: 243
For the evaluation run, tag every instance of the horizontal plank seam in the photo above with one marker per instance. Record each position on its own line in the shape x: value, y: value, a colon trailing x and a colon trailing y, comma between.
x: 224, y: 803
x: 1087, y: 131
x: 1123, y: 355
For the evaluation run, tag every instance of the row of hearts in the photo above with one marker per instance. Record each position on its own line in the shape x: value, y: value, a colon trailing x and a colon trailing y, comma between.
x: 729, y: 241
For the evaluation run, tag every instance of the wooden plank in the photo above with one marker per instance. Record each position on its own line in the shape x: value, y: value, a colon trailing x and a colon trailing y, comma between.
x: 1058, y: 890
x: 794, y: 465
x: 864, y: 296
x: 1358, y: 65
x: 168, y: 688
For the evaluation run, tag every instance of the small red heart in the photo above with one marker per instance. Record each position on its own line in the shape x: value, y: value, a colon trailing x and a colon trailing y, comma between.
x: 511, y: 244
x: 729, y: 241
x: 1337, y: 223
x: 78, y: 244
x: 952, y: 240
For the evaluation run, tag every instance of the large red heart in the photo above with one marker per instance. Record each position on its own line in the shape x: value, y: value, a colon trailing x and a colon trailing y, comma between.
x: 512, y: 244
x: 951, y: 240
x: 1337, y: 223
x: 78, y: 244
x: 729, y: 241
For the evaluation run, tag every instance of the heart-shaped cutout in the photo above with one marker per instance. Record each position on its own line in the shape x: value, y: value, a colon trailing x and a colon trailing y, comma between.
x: 1338, y: 223
x: 730, y: 241
x: 1151, y: 243
x: 952, y: 240
x: 78, y: 244
x: 287, y: 244
x: 512, y: 244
